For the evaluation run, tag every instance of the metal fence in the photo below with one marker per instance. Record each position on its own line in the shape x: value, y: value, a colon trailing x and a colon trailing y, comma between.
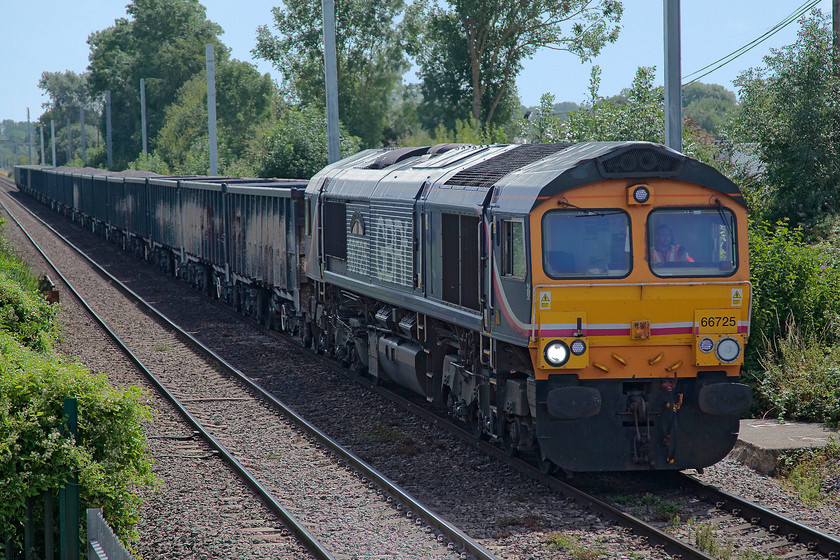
x: 102, y: 544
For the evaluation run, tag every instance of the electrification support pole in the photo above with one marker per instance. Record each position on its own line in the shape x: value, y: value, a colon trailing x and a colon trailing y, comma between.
x: 29, y: 132
x: 84, y: 137
x: 52, y: 140
x: 69, y: 142
x: 331, y: 78
x: 673, y: 79
x: 108, y: 129
x: 835, y: 19
x: 143, y: 113
x: 211, y: 109
x: 43, y: 159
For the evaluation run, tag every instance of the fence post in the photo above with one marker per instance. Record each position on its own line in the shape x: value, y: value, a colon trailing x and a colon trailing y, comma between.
x: 10, y: 546
x: 29, y: 530
x: 68, y: 511
x: 49, y: 551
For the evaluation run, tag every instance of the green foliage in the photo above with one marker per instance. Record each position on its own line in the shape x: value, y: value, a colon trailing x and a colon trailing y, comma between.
x: 24, y: 312
x: 243, y: 100
x: 14, y: 144
x: 447, y: 79
x: 371, y: 39
x: 814, y: 473
x: 162, y: 41
x: 570, y: 544
x: 640, y: 117
x: 801, y: 380
x: 790, y: 279
x: 150, y: 162
x: 465, y: 132
x: 791, y: 109
x: 544, y: 124
x: 709, y: 105
x: 293, y: 147
x: 477, y: 47
x: 35, y: 457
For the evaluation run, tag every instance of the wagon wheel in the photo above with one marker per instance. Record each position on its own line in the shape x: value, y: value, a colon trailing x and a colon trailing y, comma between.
x: 284, y: 319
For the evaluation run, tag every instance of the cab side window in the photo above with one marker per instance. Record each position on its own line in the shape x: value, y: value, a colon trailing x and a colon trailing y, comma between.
x: 513, y: 248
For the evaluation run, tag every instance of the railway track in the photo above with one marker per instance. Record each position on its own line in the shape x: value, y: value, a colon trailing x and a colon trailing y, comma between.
x: 212, y: 396
x: 812, y: 545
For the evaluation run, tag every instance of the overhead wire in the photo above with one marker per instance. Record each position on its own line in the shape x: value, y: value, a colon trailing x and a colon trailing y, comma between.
x: 723, y: 61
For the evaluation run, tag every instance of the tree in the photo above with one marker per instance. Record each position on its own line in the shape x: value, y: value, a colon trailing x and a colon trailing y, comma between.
x: 639, y: 114
x: 790, y: 110
x: 446, y: 78
x: 162, y: 42
x: 709, y: 105
x: 497, y: 35
x: 243, y: 101
x: 295, y: 146
x: 543, y: 124
x: 371, y: 38
x: 68, y: 92
x: 640, y: 117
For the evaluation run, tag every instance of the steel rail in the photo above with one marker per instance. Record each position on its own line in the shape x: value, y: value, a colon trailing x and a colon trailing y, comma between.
x: 454, y: 534
x: 654, y: 537
x: 757, y: 515
x: 292, y: 524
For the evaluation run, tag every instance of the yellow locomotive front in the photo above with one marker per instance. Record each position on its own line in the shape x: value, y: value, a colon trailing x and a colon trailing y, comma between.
x: 641, y: 308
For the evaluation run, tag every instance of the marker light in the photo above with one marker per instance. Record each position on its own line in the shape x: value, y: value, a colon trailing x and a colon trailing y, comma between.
x: 556, y: 353
x: 578, y: 347
x: 727, y: 350
x: 641, y: 195
x: 706, y: 344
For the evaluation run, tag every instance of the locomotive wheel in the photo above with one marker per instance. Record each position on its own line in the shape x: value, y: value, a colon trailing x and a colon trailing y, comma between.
x: 510, y: 433
x: 475, y: 423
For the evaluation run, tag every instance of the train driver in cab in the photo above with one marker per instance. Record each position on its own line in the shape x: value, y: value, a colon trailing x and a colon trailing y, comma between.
x: 665, y: 249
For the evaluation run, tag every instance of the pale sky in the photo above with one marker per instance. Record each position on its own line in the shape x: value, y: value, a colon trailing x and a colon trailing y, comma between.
x: 50, y: 35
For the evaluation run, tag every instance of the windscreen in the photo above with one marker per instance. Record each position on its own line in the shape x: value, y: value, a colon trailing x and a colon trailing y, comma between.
x: 586, y: 244
x: 692, y: 242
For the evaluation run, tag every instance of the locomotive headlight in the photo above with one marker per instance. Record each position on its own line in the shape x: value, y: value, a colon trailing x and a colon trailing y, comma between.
x: 727, y: 350
x: 578, y: 347
x: 556, y: 353
x: 706, y: 344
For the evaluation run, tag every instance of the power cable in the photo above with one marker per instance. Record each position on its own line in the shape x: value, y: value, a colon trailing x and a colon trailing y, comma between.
x: 801, y: 10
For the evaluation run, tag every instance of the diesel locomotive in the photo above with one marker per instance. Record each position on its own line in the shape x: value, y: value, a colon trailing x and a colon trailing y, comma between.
x: 586, y: 304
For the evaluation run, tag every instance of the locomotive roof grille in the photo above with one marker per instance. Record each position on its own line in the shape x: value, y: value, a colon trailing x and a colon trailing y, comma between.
x: 640, y: 162
x: 486, y: 173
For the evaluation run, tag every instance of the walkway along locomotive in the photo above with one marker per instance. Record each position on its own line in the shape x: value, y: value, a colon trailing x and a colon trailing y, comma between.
x: 587, y: 303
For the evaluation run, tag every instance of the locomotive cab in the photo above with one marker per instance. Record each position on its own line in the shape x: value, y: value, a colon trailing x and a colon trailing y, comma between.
x: 641, y: 301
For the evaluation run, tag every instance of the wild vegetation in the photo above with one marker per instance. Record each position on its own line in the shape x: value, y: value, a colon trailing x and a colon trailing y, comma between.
x: 37, y: 454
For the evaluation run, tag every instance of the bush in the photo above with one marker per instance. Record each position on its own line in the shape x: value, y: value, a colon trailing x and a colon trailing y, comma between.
x: 790, y: 279
x: 802, y: 380
x: 295, y: 147
x: 24, y: 313
x: 35, y: 457
x: 110, y: 458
